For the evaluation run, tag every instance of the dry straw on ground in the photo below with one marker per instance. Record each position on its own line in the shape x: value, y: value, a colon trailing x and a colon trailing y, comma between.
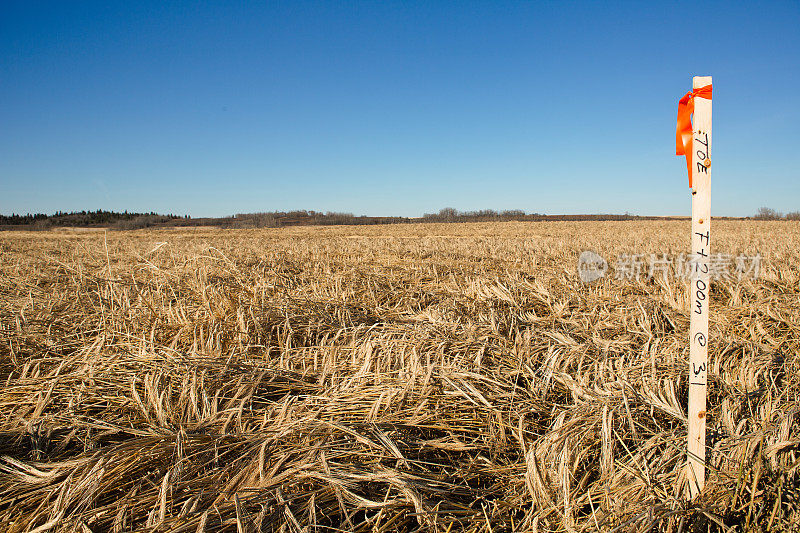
x: 391, y: 378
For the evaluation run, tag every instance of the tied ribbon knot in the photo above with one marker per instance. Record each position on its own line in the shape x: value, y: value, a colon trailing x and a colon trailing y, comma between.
x: 683, y: 134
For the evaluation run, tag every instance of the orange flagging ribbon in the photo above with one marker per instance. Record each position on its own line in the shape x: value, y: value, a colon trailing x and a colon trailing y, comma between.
x: 683, y: 135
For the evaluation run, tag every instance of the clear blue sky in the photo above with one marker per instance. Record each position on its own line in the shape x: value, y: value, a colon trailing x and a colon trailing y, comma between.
x: 390, y: 108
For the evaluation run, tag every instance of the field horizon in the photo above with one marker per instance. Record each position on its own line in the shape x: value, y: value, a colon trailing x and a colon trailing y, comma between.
x: 406, y: 377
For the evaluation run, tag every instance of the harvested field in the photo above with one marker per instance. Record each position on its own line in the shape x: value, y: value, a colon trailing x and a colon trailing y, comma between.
x: 432, y: 377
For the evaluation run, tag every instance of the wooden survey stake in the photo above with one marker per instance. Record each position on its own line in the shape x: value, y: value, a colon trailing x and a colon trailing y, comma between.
x: 700, y: 282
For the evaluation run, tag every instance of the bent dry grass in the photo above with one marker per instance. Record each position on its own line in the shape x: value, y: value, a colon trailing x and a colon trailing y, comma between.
x: 390, y: 378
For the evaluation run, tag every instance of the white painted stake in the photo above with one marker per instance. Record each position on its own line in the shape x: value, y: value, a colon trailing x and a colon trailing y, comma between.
x: 699, y: 288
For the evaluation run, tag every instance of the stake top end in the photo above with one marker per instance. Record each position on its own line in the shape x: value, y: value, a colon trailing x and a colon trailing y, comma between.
x: 700, y: 81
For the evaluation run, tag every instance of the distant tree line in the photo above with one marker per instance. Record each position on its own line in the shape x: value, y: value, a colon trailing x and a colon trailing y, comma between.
x: 144, y: 221
x: 112, y: 219
x: 765, y: 213
x: 450, y: 214
x: 277, y: 219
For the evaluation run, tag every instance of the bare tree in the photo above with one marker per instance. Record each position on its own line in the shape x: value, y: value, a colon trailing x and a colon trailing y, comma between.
x: 765, y: 213
x: 448, y: 214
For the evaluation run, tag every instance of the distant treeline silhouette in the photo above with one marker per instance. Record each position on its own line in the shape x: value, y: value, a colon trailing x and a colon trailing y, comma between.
x: 450, y: 214
x: 765, y: 213
x: 83, y: 219
x: 277, y: 219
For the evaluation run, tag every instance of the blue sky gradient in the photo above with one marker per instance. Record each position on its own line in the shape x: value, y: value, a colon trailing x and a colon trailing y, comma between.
x: 392, y: 108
